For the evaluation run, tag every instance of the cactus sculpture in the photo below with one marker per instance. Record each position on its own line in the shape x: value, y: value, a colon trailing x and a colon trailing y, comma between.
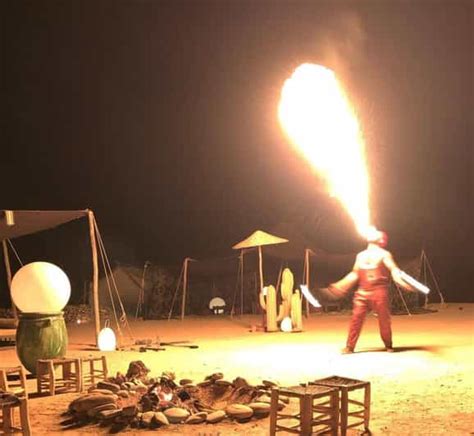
x: 290, y: 301
x: 269, y: 304
x: 296, y: 317
x: 286, y: 290
x: 290, y: 304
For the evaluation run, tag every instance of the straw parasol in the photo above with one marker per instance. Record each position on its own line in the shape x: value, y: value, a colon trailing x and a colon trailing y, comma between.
x: 258, y: 239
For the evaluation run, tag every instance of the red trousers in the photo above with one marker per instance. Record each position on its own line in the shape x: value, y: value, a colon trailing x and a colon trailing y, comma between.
x: 377, y: 300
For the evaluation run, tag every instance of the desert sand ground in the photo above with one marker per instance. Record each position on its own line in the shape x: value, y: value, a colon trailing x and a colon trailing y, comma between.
x: 425, y: 388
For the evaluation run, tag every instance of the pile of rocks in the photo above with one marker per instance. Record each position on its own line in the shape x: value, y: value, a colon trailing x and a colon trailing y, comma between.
x: 140, y: 401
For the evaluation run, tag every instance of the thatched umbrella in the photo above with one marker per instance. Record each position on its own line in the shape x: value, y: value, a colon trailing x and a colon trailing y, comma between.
x: 258, y: 239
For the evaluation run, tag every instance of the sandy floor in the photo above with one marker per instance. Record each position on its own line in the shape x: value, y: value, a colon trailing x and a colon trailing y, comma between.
x: 425, y: 388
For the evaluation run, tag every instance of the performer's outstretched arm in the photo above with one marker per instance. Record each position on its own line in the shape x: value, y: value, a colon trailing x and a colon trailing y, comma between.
x: 342, y: 287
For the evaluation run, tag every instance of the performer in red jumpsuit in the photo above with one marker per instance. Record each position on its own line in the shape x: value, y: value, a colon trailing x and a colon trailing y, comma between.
x: 372, y: 270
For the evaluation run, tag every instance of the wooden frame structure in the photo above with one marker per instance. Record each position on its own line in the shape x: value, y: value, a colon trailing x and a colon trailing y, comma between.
x: 318, y: 411
x: 10, y: 227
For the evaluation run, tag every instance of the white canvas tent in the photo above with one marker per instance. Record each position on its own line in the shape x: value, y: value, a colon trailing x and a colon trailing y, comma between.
x: 129, y: 281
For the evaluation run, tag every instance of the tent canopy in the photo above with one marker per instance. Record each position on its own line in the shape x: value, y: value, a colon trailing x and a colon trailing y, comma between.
x: 32, y: 221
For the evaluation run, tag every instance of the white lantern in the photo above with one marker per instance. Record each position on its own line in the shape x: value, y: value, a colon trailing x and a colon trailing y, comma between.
x: 286, y: 325
x: 107, y: 340
x: 40, y: 287
x: 217, y: 305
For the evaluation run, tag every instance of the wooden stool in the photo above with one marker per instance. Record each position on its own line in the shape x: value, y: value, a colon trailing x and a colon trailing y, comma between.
x: 95, y: 373
x: 8, y: 403
x: 48, y: 381
x: 346, y: 385
x: 13, y: 379
x: 327, y: 414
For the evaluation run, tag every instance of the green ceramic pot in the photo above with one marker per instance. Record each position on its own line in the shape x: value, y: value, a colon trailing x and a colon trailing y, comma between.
x: 40, y: 336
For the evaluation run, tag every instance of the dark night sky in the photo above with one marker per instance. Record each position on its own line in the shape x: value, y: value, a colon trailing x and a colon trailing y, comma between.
x: 161, y: 117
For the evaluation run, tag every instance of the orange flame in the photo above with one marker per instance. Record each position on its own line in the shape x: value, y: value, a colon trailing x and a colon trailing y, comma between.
x: 317, y: 116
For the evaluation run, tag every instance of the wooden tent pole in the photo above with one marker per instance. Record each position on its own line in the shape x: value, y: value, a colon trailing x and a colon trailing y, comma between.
x: 6, y: 259
x: 241, y: 282
x: 260, y: 270
x: 306, y: 270
x: 95, y: 275
x: 185, y: 287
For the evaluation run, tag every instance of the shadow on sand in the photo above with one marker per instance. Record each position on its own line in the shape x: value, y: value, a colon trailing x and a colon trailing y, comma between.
x: 429, y: 349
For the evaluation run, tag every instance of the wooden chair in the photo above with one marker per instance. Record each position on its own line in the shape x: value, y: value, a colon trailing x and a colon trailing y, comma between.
x: 13, y: 379
x: 49, y: 381
x: 8, y: 403
x: 318, y: 411
x: 93, y: 373
x: 346, y: 385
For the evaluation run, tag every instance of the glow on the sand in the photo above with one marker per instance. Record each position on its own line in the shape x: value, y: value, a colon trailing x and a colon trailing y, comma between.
x: 317, y: 116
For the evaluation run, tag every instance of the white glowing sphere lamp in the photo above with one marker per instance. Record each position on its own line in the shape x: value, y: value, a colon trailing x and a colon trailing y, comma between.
x: 286, y: 325
x: 107, y: 340
x: 217, y: 305
x: 40, y: 287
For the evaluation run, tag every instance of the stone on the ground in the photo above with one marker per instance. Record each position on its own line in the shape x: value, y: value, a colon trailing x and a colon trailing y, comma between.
x: 168, y: 375
x: 137, y: 369
x: 127, y: 386
x: 141, y: 389
x: 114, y: 388
x: 129, y: 411
x: 176, y: 414
x: 103, y: 392
x: 160, y: 419
x: 92, y: 413
x: 89, y: 401
x: 195, y: 419
x: 185, y: 381
x: 147, y: 418
x: 190, y: 387
x: 239, y: 411
x: 260, y: 409
x: 240, y: 382
x: 123, y: 393
x: 215, y: 376
x: 109, y: 414
x: 215, y: 417
x: 95, y: 390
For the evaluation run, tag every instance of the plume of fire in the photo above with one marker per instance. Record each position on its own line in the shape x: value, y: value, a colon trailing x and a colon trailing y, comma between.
x: 316, y: 115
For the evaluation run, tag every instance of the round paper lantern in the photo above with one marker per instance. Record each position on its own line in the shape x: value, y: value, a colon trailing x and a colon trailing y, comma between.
x: 40, y: 287
x: 286, y: 325
x: 107, y: 340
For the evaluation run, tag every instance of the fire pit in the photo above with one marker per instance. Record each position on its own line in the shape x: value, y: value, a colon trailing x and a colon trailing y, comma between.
x: 140, y: 401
